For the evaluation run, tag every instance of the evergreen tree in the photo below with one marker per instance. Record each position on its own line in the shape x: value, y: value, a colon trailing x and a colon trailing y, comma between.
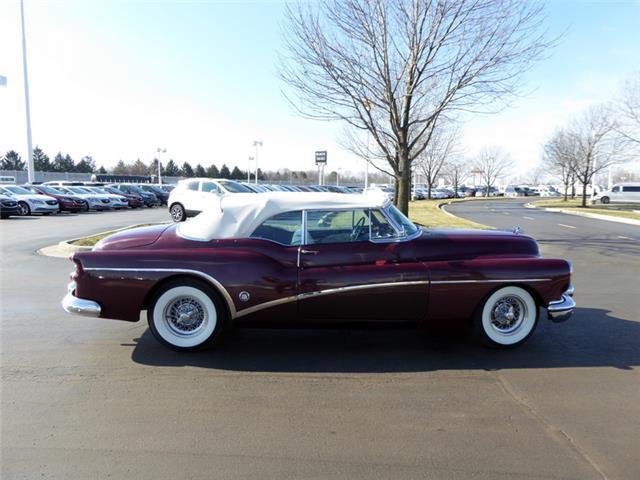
x: 12, y: 161
x: 225, y: 172
x: 236, y: 173
x: 41, y: 161
x: 153, y: 168
x: 102, y: 170
x: 171, y: 169
x: 186, y: 170
x: 138, y: 168
x: 213, y: 172
x: 63, y: 163
x: 200, y: 171
x: 261, y: 175
x: 86, y: 165
x: 121, y: 168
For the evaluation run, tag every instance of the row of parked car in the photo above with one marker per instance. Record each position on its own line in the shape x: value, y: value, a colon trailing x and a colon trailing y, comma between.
x: 62, y: 196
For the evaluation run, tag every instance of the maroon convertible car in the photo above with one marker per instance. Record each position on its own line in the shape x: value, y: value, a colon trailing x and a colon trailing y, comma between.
x: 305, y: 259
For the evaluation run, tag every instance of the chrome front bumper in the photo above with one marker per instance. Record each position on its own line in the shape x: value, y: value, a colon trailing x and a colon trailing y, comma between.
x: 79, y: 306
x: 561, y: 310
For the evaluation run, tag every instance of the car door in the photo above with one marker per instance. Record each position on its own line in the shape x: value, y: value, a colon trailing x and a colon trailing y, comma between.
x: 355, y: 267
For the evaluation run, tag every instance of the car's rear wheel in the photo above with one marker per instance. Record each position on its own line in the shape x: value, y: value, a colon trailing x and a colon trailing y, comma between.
x: 178, y: 214
x: 507, y: 317
x: 24, y: 209
x: 186, y: 315
x: 605, y: 200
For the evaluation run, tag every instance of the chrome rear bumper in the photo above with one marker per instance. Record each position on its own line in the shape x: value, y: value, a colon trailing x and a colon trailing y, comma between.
x: 561, y: 310
x: 79, y: 306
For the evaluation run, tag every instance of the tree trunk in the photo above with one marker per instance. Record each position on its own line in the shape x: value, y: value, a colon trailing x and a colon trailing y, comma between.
x: 584, y: 194
x: 429, y: 189
x: 566, y: 191
x: 403, y: 182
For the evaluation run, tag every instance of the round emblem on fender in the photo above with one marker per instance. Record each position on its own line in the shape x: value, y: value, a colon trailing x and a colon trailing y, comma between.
x: 244, y: 296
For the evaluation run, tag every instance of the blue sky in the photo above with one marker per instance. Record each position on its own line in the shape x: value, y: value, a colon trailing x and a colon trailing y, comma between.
x: 116, y: 79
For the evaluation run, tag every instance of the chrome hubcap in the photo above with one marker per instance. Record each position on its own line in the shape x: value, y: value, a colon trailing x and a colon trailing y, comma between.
x: 185, y: 316
x: 176, y: 213
x: 507, y: 314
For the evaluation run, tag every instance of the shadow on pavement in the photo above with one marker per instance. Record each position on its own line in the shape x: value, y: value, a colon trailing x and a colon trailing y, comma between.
x: 592, y: 338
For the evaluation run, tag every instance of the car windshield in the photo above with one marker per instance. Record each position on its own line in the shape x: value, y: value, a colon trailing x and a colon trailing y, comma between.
x: 98, y: 190
x: 234, y: 187
x: 398, y: 217
x: 18, y: 190
x: 78, y: 190
x: 51, y: 190
x: 135, y: 189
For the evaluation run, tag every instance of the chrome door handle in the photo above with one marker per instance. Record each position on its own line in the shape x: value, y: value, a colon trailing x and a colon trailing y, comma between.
x: 309, y: 252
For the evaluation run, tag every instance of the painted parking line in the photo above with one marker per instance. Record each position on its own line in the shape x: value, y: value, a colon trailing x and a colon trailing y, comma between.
x: 565, y: 226
x: 506, y: 213
x: 624, y: 238
x: 528, y: 218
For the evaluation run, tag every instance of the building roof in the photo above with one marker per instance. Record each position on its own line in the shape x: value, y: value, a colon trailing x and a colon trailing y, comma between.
x: 238, y: 215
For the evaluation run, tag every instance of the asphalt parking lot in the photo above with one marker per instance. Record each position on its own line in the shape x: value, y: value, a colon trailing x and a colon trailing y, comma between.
x: 89, y: 398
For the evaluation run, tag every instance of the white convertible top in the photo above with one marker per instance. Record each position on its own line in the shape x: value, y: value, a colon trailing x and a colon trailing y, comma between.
x: 237, y: 215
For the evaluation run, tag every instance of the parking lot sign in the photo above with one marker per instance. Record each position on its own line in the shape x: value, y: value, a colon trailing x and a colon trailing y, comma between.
x: 321, y: 157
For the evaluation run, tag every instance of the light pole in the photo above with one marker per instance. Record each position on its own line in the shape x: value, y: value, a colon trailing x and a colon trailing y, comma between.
x: 249, y: 169
x: 30, y: 172
x: 160, y: 151
x: 257, y: 143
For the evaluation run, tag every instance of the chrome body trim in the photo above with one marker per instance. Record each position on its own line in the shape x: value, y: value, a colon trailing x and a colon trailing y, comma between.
x: 350, y: 288
x: 561, y: 310
x: 223, y: 291
x: 79, y: 306
x: 502, y: 280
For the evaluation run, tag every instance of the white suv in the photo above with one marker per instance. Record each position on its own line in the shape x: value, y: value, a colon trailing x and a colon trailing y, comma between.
x: 621, y: 193
x: 191, y: 196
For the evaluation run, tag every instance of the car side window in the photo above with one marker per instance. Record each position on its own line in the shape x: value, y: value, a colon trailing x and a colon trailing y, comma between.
x: 210, y: 187
x: 284, y: 228
x: 337, y: 226
x: 616, y: 189
x: 193, y: 185
x: 631, y: 189
x: 381, y: 229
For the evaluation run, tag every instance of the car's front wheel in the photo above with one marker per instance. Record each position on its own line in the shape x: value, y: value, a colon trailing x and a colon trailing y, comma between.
x: 186, y: 315
x: 605, y: 200
x: 507, y: 317
x: 178, y: 213
x: 24, y: 209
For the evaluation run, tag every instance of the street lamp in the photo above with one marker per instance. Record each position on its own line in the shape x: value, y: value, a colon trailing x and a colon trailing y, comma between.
x: 160, y: 151
x: 30, y: 172
x: 257, y: 143
x: 249, y: 169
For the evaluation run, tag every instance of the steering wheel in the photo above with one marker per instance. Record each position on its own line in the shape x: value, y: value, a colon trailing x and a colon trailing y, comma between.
x: 357, y: 229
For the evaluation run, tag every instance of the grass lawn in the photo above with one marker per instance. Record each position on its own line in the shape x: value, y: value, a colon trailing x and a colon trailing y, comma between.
x: 93, y: 239
x: 427, y: 213
x: 625, y: 211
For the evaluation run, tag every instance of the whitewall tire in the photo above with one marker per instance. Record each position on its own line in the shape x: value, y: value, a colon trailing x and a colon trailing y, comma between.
x: 507, y: 318
x: 185, y: 315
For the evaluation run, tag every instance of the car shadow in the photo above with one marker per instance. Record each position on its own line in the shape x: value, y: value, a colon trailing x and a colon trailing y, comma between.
x: 592, y: 338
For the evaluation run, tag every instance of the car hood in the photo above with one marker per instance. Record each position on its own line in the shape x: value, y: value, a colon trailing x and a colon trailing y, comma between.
x: 132, y: 238
x: 461, y: 244
x: 44, y: 198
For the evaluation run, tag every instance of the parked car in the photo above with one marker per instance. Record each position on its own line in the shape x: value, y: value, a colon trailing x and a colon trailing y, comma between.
x: 191, y: 196
x: 134, y: 201
x: 150, y: 199
x: 94, y: 201
x: 8, y: 206
x: 548, y: 191
x: 29, y: 202
x: 621, y: 193
x: 118, y: 201
x: 326, y: 259
x: 66, y: 202
x: 160, y: 194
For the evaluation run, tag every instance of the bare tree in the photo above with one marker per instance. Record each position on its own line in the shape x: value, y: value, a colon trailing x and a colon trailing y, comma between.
x: 392, y: 68
x: 627, y: 109
x: 596, y: 145
x: 455, y: 172
x: 492, y: 163
x: 559, y: 157
x: 434, y: 157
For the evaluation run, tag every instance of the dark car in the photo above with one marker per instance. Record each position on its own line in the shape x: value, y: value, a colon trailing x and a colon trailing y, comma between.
x: 135, y: 201
x: 150, y: 199
x: 8, y: 207
x: 304, y: 259
x: 67, y: 202
x: 157, y: 191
